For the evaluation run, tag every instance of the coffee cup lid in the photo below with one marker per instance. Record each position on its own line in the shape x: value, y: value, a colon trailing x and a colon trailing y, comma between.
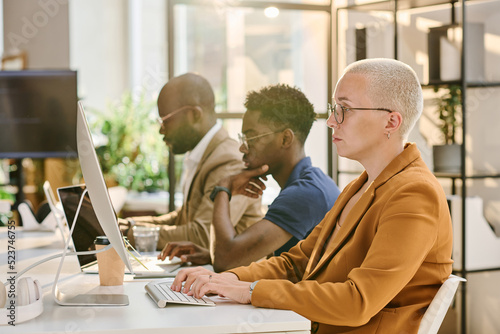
x: 101, y: 240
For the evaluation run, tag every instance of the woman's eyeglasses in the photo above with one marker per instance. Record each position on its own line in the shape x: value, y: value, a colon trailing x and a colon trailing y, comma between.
x: 339, y: 111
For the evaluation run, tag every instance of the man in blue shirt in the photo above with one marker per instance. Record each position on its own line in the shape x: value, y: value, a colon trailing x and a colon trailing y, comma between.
x: 304, y: 200
x: 275, y: 128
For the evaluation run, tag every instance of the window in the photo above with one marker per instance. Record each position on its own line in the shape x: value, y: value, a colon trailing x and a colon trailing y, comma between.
x: 237, y: 45
x: 242, y: 48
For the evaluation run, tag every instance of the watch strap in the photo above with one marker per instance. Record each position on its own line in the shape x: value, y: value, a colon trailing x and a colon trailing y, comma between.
x: 217, y: 189
x: 252, y: 286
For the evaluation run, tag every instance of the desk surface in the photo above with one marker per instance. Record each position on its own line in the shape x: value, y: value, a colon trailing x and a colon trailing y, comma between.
x: 141, y: 315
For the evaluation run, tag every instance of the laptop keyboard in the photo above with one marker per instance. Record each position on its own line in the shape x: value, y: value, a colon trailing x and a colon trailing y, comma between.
x: 148, y: 262
x: 153, y: 265
x: 171, y: 296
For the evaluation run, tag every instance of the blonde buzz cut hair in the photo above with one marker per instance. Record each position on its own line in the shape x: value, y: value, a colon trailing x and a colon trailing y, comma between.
x: 394, y: 85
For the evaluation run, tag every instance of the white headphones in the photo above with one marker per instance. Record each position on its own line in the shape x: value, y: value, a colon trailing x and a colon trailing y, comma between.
x: 20, y: 303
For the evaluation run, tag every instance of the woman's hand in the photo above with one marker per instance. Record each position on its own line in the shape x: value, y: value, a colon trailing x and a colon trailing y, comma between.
x: 222, y: 286
x: 200, y: 281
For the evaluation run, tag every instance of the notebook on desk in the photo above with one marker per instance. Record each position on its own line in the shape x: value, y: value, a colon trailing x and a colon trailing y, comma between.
x: 87, y: 228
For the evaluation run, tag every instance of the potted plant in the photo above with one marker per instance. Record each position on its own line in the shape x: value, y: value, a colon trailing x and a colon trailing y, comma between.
x: 131, y: 152
x: 7, y: 198
x: 447, y: 157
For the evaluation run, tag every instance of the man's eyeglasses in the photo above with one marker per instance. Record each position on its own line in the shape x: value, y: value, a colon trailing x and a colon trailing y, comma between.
x: 244, y: 140
x: 339, y: 111
x: 162, y: 120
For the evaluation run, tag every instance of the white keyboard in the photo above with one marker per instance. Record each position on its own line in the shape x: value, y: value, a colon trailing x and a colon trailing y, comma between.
x: 161, y: 293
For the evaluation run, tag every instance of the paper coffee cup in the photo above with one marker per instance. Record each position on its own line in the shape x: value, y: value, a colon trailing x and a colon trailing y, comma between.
x: 110, y: 265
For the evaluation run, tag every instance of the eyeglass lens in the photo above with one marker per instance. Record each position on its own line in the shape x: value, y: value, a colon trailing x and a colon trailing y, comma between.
x: 337, y: 114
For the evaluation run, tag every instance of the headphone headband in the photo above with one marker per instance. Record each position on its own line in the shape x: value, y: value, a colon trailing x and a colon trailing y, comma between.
x: 28, y: 291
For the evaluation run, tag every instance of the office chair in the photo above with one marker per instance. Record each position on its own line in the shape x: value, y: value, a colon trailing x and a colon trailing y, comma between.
x: 436, y: 311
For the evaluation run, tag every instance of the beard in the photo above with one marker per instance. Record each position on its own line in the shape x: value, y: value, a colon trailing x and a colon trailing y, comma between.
x: 183, y: 139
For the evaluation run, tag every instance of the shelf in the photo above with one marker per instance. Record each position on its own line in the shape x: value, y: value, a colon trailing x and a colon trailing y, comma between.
x: 457, y: 180
x: 459, y: 176
x: 439, y: 175
x: 472, y: 84
x: 350, y: 172
x: 482, y: 84
x: 390, y: 5
x: 483, y: 176
x: 474, y: 271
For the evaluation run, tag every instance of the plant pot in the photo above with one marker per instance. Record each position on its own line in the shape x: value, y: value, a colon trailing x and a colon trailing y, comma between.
x: 447, y: 158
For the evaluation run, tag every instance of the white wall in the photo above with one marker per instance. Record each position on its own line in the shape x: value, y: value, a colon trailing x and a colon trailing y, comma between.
x: 1, y: 27
x: 118, y: 46
x: 99, y: 49
x: 41, y: 28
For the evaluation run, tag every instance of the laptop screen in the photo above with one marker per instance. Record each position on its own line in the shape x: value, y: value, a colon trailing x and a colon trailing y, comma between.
x: 87, y: 226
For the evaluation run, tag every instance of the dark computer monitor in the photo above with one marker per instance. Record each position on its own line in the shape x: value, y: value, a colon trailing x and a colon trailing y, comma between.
x: 38, y: 114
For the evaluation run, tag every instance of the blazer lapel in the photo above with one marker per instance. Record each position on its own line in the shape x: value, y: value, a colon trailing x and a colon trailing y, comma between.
x: 327, y: 230
x: 351, y: 222
x: 216, y: 140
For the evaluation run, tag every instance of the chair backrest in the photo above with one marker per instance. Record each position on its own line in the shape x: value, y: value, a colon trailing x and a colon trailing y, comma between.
x: 436, y: 311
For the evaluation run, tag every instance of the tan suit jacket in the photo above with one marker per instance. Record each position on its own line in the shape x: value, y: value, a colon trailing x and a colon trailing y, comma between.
x: 192, y: 221
x: 384, y: 266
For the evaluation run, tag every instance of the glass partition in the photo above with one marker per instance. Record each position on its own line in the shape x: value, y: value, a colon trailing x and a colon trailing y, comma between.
x: 243, y: 48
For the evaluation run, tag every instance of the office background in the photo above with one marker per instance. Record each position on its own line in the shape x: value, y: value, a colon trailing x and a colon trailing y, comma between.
x: 123, y: 46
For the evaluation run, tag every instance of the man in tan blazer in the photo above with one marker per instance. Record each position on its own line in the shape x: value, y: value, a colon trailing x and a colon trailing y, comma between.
x: 189, y: 126
x: 377, y: 259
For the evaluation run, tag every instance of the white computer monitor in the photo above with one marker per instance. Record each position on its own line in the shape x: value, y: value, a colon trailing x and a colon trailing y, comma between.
x: 96, y: 186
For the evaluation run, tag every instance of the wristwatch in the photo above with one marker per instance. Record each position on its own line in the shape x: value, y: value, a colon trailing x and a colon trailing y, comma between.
x: 216, y: 190
x: 131, y: 223
x: 252, y: 286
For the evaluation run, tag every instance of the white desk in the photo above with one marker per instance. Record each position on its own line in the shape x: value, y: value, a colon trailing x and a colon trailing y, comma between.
x: 141, y: 315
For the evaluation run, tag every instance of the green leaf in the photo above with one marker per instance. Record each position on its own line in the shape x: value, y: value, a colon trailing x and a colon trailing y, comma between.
x: 449, y: 108
x: 130, y: 143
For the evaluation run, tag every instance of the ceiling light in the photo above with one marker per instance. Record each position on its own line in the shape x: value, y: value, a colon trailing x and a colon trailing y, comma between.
x: 271, y: 12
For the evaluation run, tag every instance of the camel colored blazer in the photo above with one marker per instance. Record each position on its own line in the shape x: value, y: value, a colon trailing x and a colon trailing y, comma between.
x: 384, y: 266
x: 192, y: 221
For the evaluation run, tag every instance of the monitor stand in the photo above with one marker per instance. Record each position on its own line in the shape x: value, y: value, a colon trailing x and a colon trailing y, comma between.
x: 89, y: 299
x: 84, y: 299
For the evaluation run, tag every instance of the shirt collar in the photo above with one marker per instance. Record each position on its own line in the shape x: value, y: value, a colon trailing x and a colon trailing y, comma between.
x: 297, y: 170
x: 197, y: 152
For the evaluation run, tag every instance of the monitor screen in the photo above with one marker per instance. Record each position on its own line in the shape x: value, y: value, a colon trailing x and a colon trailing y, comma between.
x: 38, y: 114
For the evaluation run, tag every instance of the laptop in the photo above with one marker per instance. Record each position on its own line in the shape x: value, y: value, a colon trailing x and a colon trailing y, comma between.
x: 87, y: 228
